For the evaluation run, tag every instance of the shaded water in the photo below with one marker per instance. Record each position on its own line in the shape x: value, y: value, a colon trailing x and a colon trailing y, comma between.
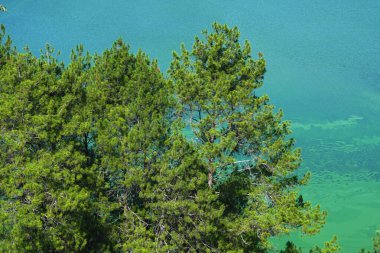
x: 323, y: 60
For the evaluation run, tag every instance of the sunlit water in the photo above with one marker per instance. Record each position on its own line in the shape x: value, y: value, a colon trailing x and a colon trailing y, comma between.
x: 323, y: 70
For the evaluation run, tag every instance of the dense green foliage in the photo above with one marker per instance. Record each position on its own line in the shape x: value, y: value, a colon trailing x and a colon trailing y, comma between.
x: 93, y: 155
x: 243, y: 143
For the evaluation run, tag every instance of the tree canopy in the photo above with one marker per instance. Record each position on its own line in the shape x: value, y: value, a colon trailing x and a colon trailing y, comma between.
x: 106, y: 154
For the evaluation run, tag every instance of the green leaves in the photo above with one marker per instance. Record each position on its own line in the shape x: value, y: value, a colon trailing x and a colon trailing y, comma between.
x: 241, y: 140
x: 94, y: 159
x: 47, y: 181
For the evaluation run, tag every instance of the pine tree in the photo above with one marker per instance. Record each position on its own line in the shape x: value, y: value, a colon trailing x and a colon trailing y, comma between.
x: 47, y: 179
x: 130, y: 100
x: 94, y: 157
x: 243, y: 143
x: 153, y: 177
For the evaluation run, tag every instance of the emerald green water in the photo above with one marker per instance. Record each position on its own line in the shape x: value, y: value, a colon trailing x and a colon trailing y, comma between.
x: 323, y: 70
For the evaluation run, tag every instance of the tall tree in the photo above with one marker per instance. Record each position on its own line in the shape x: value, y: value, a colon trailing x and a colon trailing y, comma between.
x: 47, y: 179
x: 130, y: 101
x: 94, y: 158
x: 154, y: 178
x: 243, y: 143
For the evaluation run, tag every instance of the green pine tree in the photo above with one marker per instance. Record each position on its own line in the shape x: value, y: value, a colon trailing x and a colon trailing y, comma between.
x: 93, y: 156
x: 48, y: 184
x: 242, y: 142
x: 153, y: 176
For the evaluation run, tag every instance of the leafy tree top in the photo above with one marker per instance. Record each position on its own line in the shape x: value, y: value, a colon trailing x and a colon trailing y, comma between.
x: 93, y: 157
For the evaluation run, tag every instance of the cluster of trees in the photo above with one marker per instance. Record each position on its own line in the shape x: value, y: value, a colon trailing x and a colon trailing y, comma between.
x: 106, y: 154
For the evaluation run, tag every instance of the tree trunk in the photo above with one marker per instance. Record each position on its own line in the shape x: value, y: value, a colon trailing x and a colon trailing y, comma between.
x: 210, y: 179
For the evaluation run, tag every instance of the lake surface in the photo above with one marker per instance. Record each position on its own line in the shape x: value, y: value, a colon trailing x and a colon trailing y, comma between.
x: 323, y: 70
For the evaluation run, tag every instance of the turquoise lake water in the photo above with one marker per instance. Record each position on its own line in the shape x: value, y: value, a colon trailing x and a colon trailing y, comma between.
x: 323, y: 70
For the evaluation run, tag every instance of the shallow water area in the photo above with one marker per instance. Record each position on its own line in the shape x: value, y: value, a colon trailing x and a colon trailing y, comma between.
x: 351, y: 215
